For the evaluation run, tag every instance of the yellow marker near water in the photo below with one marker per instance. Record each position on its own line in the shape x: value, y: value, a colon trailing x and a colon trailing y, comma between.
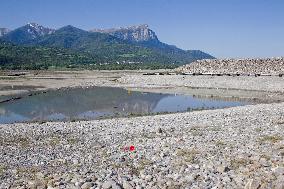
x: 129, y: 92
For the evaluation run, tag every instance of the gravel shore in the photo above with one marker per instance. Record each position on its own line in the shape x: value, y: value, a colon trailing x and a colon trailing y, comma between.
x: 242, y: 86
x: 239, y: 147
x: 269, y: 84
x: 274, y: 66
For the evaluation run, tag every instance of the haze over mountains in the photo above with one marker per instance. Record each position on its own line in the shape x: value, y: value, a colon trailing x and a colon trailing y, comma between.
x: 135, y: 44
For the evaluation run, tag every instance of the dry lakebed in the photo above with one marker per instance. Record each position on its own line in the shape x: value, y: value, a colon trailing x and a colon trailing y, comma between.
x: 232, y: 147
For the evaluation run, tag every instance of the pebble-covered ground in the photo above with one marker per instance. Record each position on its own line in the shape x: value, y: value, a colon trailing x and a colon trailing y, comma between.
x: 133, y: 79
x: 273, y: 66
x: 270, y: 84
x: 240, y: 147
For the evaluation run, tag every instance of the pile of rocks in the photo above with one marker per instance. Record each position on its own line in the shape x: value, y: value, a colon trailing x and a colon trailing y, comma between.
x: 273, y: 66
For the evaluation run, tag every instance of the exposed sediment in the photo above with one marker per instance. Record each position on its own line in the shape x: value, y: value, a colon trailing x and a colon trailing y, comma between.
x: 240, y: 147
x: 273, y: 66
x: 230, y: 148
x: 270, y: 84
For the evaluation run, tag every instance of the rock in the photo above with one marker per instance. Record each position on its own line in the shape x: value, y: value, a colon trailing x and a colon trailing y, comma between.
x: 37, y: 184
x: 169, y: 183
x: 148, y: 177
x: 107, y: 184
x: 254, y: 158
x: 278, y: 171
x: 75, y: 161
x: 99, y: 184
x: 78, y: 184
x: 222, y: 169
x: 50, y: 182
x: 263, y: 162
x: 74, y: 180
x: 162, y: 155
x: 87, y: 185
x: 142, y: 174
x: 61, y: 183
x: 39, y: 175
x: 116, y: 186
x: 252, y: 184
x: 279, y: 184
x: 122, y: 159
x: 226, y: 179
x: 195, y: 166
x: 111, y: 184
x: 189, y: 178
x: 126, y: 185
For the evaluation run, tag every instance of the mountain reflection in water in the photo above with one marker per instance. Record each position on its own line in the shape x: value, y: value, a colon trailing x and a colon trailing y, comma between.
x: 92, y: 103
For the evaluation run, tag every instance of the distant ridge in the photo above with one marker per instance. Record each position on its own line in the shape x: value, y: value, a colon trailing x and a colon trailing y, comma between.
x: 144, y: 36
x: 27, y: 33
x: 106, y: 48
x: 133, y: 44
x: 132, y: 33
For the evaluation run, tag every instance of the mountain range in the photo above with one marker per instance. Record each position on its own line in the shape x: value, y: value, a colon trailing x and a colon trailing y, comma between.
x: 27, y: 33
x: 144, y: 36
x: 135, y: 44
x: 133, y: 33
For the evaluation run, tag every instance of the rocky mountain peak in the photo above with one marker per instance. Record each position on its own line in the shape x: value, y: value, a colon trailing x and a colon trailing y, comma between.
x: 36, y: 30
x: 139, y: 33
x: 137, y: 27
x: 4, y: 31
x: 34, y: 25
x: 27, y: 33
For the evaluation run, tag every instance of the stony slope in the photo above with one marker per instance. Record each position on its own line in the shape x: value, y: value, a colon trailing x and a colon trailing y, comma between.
x: 233, y: 66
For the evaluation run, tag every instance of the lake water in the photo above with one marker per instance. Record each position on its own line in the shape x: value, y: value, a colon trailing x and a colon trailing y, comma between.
x: 101, y: 102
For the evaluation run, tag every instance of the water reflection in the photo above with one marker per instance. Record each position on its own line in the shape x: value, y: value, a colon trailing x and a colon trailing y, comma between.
x: 95, y: 102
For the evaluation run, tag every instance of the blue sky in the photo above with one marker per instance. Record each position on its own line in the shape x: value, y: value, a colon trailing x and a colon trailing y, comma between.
x: 223, y: 28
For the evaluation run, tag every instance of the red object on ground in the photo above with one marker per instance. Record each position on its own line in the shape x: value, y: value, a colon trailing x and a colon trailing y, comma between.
x: 131, y: 148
